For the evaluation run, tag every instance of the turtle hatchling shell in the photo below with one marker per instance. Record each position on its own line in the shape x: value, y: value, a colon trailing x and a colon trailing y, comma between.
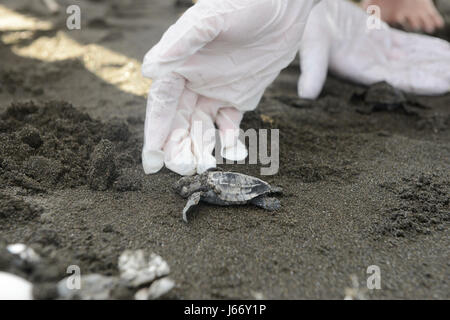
x: 384, y: 94
x: 236, y: 187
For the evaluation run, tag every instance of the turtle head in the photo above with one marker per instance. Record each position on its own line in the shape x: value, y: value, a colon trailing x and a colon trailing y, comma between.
x: 188, y: 185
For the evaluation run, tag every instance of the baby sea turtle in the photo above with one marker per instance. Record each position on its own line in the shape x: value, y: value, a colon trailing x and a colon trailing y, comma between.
x: 381, y: 97
x: 226, y: 188
x: 384, y: 97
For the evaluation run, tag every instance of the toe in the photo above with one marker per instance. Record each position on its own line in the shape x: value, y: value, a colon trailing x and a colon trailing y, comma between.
x: 414, y: 23
x: 428, y: 23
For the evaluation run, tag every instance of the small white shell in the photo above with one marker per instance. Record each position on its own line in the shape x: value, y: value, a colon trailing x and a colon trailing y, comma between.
x: 25, y: 253
x: 13, y: 287
x: 139, y: 268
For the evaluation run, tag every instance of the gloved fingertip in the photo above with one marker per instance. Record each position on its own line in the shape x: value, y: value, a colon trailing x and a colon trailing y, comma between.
x: 182, y: 162
x: 238, y: 152
x: 308, y: 90
x: 152, y: 161
x: 184, y: 169
x: 146, y: 71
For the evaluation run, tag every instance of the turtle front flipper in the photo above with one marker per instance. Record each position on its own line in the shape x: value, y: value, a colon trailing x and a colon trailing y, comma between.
x: 266, y: 202
x: 193, y: 200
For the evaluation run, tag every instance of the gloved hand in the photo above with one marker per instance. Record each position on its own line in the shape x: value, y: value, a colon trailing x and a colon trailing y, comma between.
x: 189, y: 148
x: 184, y: 139
x: 337, y: 38
x: 212, y: 65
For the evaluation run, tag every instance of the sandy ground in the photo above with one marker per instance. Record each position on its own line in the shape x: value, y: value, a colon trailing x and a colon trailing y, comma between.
x: 365, y: 184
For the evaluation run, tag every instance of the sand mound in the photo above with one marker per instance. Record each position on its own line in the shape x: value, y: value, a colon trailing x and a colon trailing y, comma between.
x: 55, y: 146
x: 17, y: 210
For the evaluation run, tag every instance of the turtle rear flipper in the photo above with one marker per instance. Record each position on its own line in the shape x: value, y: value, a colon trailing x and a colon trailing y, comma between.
x: 267, y: 203
x: 277, y: 190
x: 193, y: 200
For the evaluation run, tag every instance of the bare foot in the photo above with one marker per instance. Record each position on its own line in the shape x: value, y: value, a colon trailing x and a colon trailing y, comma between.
x: 417, y: 15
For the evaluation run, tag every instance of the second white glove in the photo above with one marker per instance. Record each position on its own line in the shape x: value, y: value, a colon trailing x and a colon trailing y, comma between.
x: 341, y: 37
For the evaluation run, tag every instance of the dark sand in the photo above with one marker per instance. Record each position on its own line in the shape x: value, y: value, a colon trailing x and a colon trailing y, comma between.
x: 364, y: 184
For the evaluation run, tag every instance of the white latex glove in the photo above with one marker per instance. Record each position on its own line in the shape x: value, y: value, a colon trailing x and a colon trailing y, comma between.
x: 189, y: 148
x: 221, y: 54
x: 337, y: 38
x: 180, y: 132
x: 162, y: 103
